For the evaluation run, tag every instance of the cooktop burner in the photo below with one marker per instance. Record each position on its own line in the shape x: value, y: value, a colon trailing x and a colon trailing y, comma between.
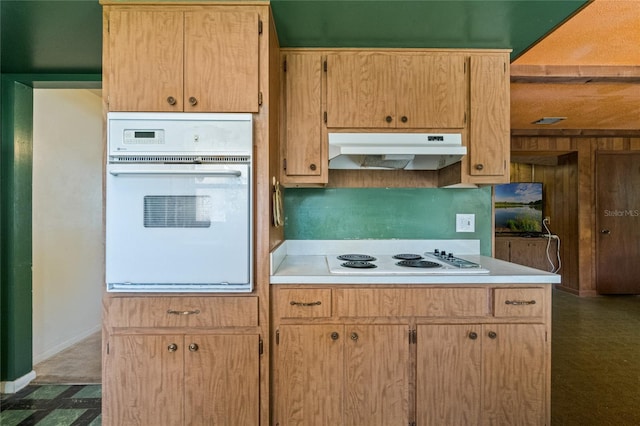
x: 357, y: 257
x: 359, y: 264
x: 419, y: 264
x: 408, y: 256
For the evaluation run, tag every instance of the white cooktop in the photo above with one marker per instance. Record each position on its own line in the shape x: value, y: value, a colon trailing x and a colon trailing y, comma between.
x: 387, y: 265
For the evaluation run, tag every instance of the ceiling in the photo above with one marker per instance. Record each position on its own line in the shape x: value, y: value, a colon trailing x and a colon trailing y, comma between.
x: 587, y: 70
x: 577, y: 71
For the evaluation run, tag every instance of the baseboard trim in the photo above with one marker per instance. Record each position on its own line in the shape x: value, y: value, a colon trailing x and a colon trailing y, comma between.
x: 19, y: 383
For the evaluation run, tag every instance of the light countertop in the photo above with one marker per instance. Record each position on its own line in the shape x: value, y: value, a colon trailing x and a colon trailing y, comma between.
x: 305, y: 262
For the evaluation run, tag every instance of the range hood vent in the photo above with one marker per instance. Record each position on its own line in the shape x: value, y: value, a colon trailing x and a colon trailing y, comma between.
x: 391, y: 151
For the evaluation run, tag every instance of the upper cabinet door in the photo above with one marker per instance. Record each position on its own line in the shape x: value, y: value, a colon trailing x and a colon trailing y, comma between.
x: 144, y: 70
x: 303, y: 150
x: 431, y: 91
x: 489, y: 131
x: 390, y: 90
x: 221, y: 60
x: 360, y: 90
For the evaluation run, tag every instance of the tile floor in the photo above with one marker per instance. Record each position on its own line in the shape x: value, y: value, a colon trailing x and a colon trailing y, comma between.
x: 52, y: 405
x: 595, y: 372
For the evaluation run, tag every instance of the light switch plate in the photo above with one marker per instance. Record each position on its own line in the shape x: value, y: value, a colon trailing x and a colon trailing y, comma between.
x: 465, y: 222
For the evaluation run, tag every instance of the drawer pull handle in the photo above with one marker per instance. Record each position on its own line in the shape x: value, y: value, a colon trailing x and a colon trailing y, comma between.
x: 194, y: 312
x: 520, y: 302
x: 316, y: 303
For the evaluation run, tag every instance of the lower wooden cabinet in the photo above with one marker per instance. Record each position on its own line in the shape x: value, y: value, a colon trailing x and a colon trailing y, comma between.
x: 528, y: 251
x: 353, y: 356
x: 175, y: 379
x: 180, y: 360
x: 342, y: 375
x: 481, y: 374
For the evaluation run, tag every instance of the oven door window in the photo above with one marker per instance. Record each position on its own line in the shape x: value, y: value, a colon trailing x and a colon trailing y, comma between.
x: 177, y: 211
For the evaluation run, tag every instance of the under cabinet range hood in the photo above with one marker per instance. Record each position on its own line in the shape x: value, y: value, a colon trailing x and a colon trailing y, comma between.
x: 409, y: 151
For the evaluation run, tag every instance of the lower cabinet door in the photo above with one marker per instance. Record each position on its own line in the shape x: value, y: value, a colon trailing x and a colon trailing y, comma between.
x: 143, y: 384
x: 221, y: 377
x: 448, y: 379
x: 481, y: 374
x: 376, y: 375
x: 514, y: 374
x: 309, y: 375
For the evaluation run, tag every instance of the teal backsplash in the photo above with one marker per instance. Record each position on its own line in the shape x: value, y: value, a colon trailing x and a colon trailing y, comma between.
x: 384, y: 213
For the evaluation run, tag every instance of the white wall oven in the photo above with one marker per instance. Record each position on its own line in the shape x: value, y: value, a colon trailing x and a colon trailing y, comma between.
x: 179, y: 202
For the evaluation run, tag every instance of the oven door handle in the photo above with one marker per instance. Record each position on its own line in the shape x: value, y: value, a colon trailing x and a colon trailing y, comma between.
x: 236, y: 173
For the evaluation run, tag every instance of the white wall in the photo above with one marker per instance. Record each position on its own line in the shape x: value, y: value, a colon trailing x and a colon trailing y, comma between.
x: 68, y: 242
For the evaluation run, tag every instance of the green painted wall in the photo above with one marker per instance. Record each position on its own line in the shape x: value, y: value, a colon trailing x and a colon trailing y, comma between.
x: 15, y: 230
x: 383, y: 213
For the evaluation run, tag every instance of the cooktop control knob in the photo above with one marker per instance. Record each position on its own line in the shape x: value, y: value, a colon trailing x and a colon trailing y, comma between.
x: 436, y: 252
x: 450, y: 255
x: 443, y: 253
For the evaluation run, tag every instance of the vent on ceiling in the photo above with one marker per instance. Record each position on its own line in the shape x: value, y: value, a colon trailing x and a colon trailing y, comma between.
x: 549, y: 120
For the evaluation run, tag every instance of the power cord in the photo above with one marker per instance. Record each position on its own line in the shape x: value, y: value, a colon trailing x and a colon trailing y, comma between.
x: 550, y: 237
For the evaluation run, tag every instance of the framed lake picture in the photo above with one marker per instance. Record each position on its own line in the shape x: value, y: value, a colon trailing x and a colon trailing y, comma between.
x: 518, y: 208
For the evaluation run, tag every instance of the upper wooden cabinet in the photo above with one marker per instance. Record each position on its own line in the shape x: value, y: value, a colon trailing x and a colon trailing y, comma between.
x: 182, y: 59
x: 396, y: 90
x: 303, y: 147
x: 489, y: 131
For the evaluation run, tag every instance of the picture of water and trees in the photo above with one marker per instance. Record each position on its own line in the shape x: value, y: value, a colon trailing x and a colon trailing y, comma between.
x: 518, y: 207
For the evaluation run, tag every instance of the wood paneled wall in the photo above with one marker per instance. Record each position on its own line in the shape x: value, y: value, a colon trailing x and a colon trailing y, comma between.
x: 566, y: 167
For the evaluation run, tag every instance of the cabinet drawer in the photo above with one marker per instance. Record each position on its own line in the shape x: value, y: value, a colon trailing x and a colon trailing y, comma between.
x: 304, y: 303
x: 409, y: 302
x: 182, y: 311
x: 518, y: 302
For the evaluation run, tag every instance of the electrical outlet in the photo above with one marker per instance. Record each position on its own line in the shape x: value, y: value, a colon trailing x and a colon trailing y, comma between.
x: 465, y: 222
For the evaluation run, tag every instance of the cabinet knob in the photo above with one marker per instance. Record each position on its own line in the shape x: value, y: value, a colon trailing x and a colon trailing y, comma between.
x: 335, y: 335
x: 193, y: 101
x: 171, y: 100
x: 404, y: 119
x: 388, y: 119
x: 172, y: 347
x: 492, y: 335
x: 473, y: 335
x: 479, y: 166
x: 605, y: 231
x: 193, y: 347
x: 312, y: 166
x: 354, y: 336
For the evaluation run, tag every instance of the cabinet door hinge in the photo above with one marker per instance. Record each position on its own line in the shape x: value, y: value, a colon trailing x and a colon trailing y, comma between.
x: 545, y: 336
x: 324, y: 116
x: 259, y: 98
x: 108, y: 26
x: 284, y: 66
x: 284, y: 164
x: 260, y: 347
x: 107, y: 348
x: 465, y: 118
x: 259, y: 27
x: 505, y: 67
x: 413, y: 336
x: 324, y: 66
x: 277, y: 337
x: 412, y: 423
x: 464, y: 69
